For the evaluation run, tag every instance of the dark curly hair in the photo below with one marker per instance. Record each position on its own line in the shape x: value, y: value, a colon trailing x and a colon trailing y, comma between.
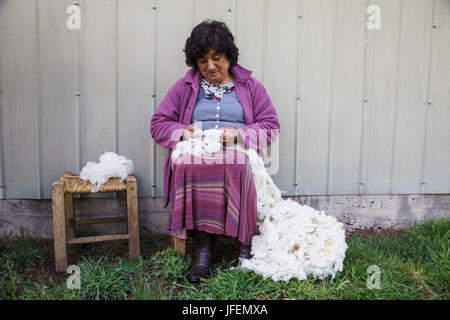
x: 210, y: 34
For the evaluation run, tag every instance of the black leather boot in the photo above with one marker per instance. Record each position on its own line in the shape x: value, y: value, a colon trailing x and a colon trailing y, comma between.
x: 244, y: 251
x: 204, y: 251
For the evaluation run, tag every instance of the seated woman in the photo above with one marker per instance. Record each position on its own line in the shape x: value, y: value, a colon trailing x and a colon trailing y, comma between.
x: 218, y: 197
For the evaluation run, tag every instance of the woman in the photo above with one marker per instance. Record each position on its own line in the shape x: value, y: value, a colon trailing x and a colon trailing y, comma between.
x: 219, y: 198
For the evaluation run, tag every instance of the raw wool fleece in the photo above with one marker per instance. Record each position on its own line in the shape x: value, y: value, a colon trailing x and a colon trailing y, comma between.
x: 111, y: 165
x: 294, y: 241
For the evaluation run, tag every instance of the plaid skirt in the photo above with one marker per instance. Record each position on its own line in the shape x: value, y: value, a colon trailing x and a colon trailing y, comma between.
x: 213, y: 193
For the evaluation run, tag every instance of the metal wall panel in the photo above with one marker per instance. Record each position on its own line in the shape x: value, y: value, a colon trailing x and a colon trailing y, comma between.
x: 437, y: 148
x: 219, y: 10
x: 314, y: 93
x: 361, y: 111
x: 135, y: 85
x: 56, y: 83
x: 18, y: 101
x: 280, y: 80
x: 172, y: 29
x: 347, y: 98
x: 99, y: 79
x: 381, y: 94
x: 411, y: 96
x: 251, y: 16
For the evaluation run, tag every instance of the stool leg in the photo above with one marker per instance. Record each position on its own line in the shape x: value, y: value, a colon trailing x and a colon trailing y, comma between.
x: 179, y: 246
x: 70, y: 216
x: 59, y: 226
x: 133, y: 218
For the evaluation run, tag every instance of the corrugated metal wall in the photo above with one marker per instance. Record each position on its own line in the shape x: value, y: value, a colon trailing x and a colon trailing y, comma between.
x: 362, y: 111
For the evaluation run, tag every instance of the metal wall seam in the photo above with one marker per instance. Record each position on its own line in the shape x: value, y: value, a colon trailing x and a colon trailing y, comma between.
x: 366, y: 104
x: 332, y: 88
x: 116, y: 72
x: 2, y: 143
x: 397, y: 73
x: 37, y: 100
x: 81, y: 90
x: 153, y: 144
x: 298, y: 104
x: 266, y: 41
x: 78, y: 68
x: 116, y: 83
x: 82, y: 87
x: 232, y: 16
x: 2, y: 135
x: 430, y: 84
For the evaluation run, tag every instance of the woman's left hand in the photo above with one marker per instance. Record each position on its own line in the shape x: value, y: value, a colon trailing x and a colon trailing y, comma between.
x: 229, y: 135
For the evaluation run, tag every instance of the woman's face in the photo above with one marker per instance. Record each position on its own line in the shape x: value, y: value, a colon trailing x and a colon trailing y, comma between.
x: 214, y: 67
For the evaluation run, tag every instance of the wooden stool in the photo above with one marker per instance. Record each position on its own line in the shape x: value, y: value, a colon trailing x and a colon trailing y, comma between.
x: 62, y: 202
x: 179, y: 246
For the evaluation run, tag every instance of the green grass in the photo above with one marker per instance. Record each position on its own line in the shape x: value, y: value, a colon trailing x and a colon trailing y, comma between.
x: 414, y: 264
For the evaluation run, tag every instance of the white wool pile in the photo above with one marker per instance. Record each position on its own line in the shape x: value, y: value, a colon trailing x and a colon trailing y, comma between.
x: 295, y: 240
x: 111, y: 165
x: 207, y: 143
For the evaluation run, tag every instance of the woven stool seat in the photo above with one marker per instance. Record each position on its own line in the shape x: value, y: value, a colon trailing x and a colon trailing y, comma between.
x: 74, y: 184
x: 64, y: 221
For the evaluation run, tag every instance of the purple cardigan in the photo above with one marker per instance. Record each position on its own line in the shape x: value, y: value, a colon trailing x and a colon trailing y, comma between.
x: 175, y: 111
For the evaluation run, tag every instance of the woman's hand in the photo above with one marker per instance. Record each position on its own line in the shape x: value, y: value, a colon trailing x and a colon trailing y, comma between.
x: 190, y: 132
x: 229, y: 135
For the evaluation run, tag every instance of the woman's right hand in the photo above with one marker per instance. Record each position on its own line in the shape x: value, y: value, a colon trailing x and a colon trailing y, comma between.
x: 191, y: 131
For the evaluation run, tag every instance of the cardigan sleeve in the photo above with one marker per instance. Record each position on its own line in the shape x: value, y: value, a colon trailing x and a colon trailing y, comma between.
x: 266, y: 127
x: 165, y: 126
